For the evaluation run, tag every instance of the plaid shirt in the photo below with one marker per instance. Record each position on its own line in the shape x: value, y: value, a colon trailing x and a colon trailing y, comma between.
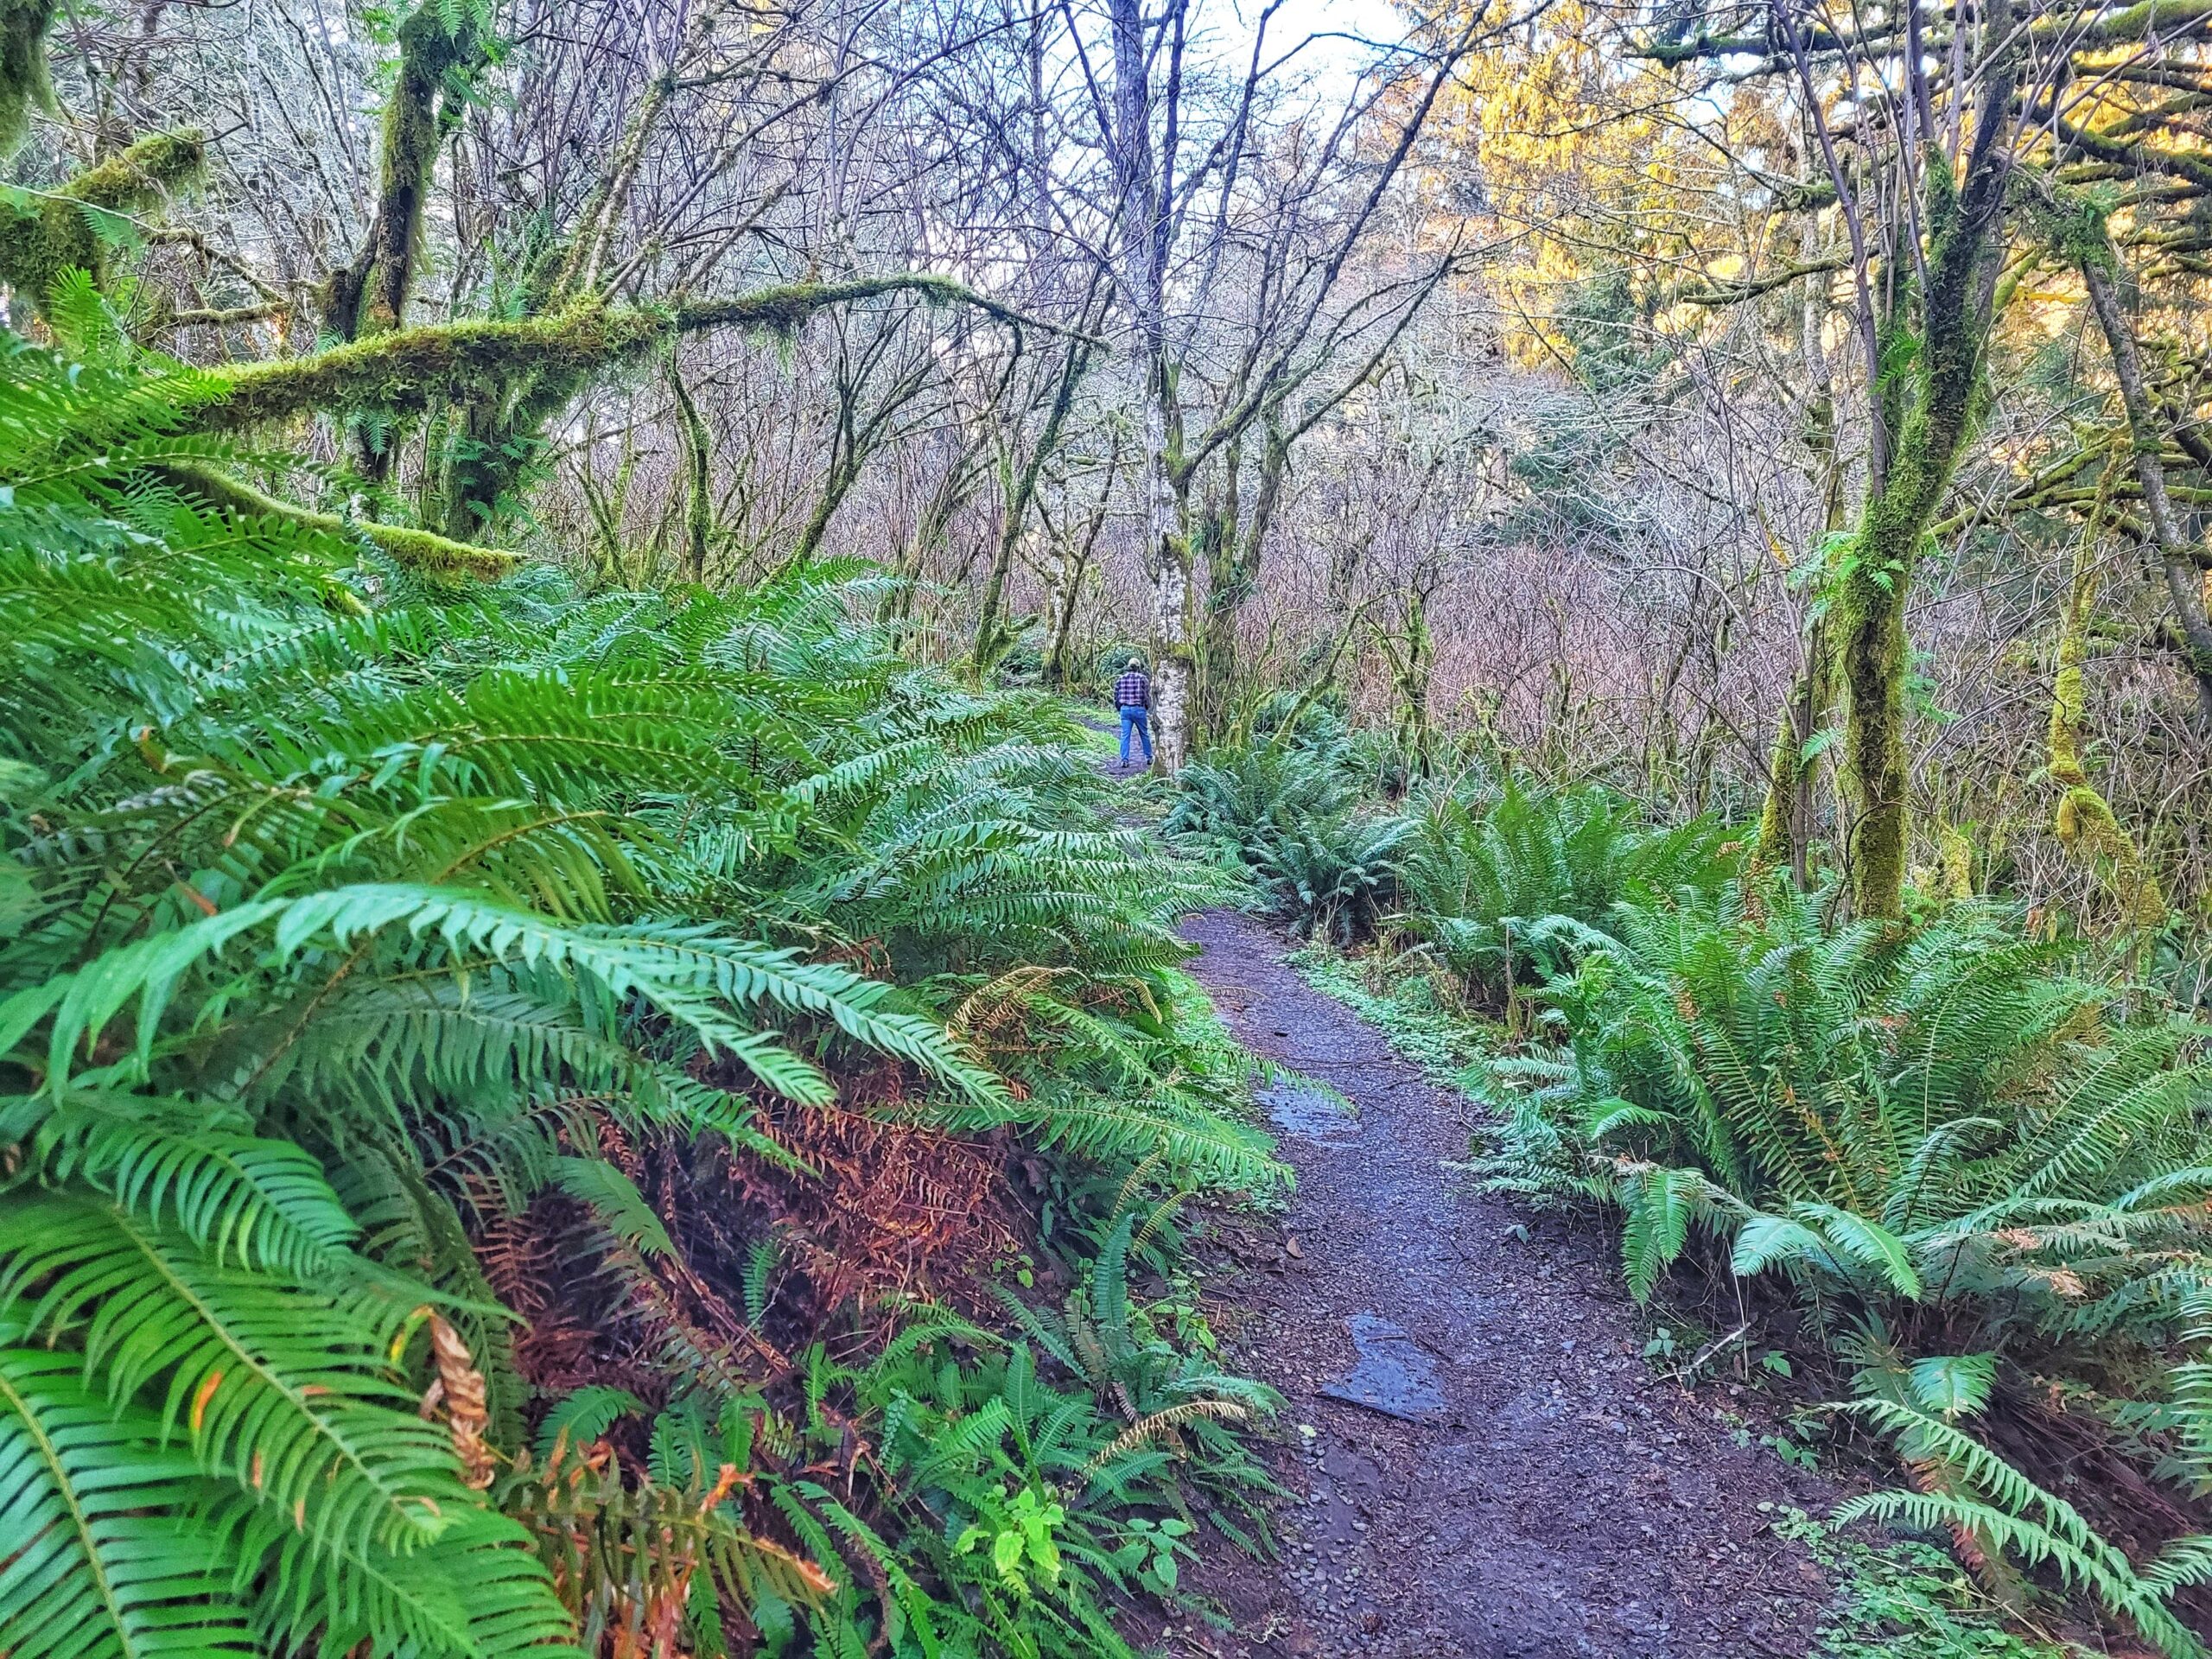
x: 1132, y: 690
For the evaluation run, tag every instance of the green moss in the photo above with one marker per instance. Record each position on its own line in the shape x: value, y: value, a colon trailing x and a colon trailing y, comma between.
x: 699, y: 507
x: 438, y: 43
x: 406, y: 372
x: 424, y: 554
x: 24, y: 84
x: 1930, y: 396
x: 1901, y: 1601
x: 1873, y: 652
x: 1774, y: 812
x: 67, y: 232
x: 503, y: 378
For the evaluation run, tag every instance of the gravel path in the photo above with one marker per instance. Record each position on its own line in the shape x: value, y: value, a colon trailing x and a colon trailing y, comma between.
x: 1491, y: 1471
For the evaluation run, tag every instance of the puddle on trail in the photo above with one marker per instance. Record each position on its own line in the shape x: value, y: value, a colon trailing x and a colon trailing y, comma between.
x: 1395, y: 1375
x: 1309, y: 1111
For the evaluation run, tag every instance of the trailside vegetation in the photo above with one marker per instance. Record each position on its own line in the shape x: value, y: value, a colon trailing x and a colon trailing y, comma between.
x: 583, y: 1066
x: 1950, y: 1175
x: 530, y: 1117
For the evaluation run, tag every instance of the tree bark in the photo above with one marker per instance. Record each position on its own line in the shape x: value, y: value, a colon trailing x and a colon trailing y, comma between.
x: 1069, y: 594
x: 1233, y: 574
x: 1163, y: 507
x: 370, y: 296
x: 2177, y: 553
x: 1923, y: 418
x: 699, y: 502
x: 1787, y: 817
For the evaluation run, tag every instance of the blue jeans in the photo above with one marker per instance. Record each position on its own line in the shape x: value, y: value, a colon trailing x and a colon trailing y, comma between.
x: 1135, y: 720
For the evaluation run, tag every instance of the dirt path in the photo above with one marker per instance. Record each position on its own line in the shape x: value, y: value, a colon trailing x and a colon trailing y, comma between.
x: 1537, y: 1493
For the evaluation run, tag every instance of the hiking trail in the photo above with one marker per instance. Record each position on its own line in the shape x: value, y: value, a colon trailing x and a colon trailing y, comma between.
x: 1479, y: 1461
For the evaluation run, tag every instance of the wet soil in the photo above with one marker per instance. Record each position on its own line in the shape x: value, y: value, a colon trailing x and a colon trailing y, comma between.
x: 1477, y: 1458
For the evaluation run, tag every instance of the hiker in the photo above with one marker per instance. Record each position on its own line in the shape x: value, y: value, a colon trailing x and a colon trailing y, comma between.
x: 1133, y: 696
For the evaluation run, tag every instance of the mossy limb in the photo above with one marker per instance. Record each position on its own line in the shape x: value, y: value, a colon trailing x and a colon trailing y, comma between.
x: 424, y: 554
x: 2085, y: 823
x: 439, y: 45
x: 407, y: 371
x: 65, y: 233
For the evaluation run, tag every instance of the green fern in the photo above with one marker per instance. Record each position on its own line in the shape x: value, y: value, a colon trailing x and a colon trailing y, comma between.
x: 348, y: 916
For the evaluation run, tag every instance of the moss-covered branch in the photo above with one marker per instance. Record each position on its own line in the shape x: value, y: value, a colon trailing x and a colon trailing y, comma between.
x: 1752, y: 288
x: 786, y: 308
x: 421, y: 552
x: 407, y: 371
x: 437, y: 42
x: 2178, y: 551
x: 2085, y: 823
x: 65, y: 235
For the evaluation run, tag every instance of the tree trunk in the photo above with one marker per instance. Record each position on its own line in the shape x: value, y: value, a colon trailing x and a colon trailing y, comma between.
x: 1788, y: 815
x: 1414, y: 736
x: 2177, y: 553
x: 370, y: 298
x: 1233, y: 577
x: 2085, y: 823
x: 699, y: 506
x: 1069, y: 594
x: 1174, y: 656
x: 1926, y: 424
x: 1162, y: 492
x: 1787, y: 819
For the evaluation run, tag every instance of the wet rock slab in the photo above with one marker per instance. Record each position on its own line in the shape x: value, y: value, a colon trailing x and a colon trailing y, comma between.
x: 1395, y: 1375
x: 1308, y: 1111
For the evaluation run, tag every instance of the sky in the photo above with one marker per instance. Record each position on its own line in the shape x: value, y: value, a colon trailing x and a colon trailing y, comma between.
x: 1334, y: 57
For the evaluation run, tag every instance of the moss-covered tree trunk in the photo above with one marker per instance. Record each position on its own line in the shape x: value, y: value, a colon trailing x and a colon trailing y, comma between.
x: 1163, y: 485
x: 1789, y: 813
x: 1233, y: 577
x: 1928, y: 384
x: 24, y: 84
x: 1411, y: 672
x: 2085, y: 823
x: 438, y: 43
x: 698, y: 456
x: 1075, y: 567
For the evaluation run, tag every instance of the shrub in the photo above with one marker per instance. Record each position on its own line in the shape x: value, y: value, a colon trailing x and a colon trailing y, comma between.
x: 1288, y: 816
x: 1958, y: 1155
x: 1476, y: 876
x: 428, y: 1014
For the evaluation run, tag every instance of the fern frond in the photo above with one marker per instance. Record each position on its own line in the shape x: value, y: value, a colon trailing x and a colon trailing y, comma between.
x: 98, y: 1559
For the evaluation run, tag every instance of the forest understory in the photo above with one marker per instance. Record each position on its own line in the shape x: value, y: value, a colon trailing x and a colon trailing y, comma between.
x: 599, y: 1058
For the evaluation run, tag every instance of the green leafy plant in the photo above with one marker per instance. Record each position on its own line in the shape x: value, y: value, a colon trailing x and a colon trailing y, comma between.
x: 1947, y: 1148
x: 387, y: 962
x: 1902, y: 1600
x: 1019, y: 1536
x: 1287, y: 811
x: 1479, y: 875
